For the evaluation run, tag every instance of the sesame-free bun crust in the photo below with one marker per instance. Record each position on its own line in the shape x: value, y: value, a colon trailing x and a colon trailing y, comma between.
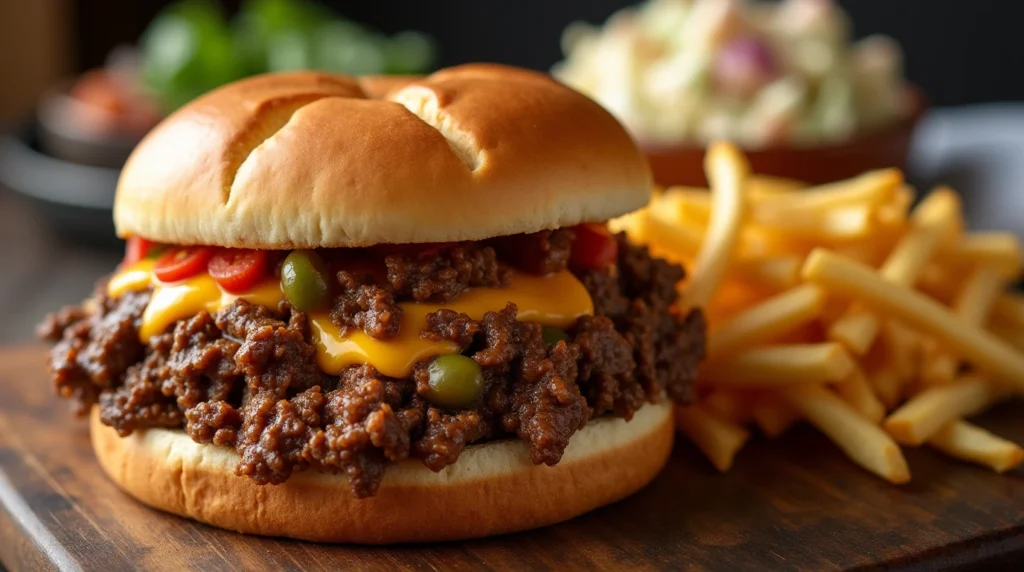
x: 493, y: 488
x: 305, y: 160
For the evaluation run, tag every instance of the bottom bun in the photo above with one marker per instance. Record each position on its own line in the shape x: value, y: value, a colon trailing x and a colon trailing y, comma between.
x: 492, y: 489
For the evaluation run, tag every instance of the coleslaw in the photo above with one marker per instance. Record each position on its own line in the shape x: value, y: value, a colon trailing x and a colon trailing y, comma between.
x: 755, y: 72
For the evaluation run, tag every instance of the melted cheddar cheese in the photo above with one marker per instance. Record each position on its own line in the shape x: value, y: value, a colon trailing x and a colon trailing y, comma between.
x: 555, y: 300
x: 181, y: 300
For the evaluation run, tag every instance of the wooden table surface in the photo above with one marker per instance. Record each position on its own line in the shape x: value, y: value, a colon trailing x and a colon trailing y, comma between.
x: 793, y: 504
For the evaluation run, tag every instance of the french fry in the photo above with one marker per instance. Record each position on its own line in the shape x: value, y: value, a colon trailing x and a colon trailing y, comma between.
x: 773, y: 415
x: 795, y: 284
x: 766, y: 186
x: 940, y: 282
x: 869, y: 189
x: 968, y: 442
x: 688, y: 204
x: 775, y: 274
x: 694, y: 203
x: 767, y: 320
x: 856, y: 328
x: 978, y: 295
x: 887, y: 385
x: 1006, y: 320
x: 728, y: 405
x: 863, y: 441
x: 935, y: 219
x: 633, y: 225
x: 972, y: 305
x: 927, y: 412
x: 1000, y: 250
x: 846, y: 223
x: 776, y: 366
x: 761, y: 242
x: 834, y: 215
x: 884, y: 372
x: 733, y: 298
x: 851, y: 279
x: 935, y: 364
x: 892, y: 363
x: 834, y: 309
x: 681, y: 240
x: 718, y: 439
x: 810, y: 333
x: 894, y: 211
x: 1012, y: 336
x: 938, y: 366
x: 869, y: 252
x: 856, y: 391
x: 682, y: 204
x: 727, y: 170
x: 1009, y: 310
x: 903, y: 347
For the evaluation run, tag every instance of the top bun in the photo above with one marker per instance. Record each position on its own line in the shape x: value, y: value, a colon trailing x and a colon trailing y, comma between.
x: 306, y: 160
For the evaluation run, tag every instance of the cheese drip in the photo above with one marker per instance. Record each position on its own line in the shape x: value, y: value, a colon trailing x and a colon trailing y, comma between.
x: 554, y: 300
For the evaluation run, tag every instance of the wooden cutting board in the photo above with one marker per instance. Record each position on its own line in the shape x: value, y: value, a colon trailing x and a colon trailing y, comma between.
x: 796, y: 503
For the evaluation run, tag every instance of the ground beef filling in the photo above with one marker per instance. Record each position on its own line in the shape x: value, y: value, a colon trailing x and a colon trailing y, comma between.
x: 368, y: 303
x: 246, y: 377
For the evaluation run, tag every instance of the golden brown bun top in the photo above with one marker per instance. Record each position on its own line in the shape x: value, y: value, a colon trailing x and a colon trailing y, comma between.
x: 305, y: 160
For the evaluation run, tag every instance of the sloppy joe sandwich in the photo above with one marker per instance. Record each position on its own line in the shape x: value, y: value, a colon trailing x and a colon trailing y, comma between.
x: 365, y: 310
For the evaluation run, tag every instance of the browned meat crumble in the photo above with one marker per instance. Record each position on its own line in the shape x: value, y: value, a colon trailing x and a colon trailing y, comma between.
x: 246, y: 377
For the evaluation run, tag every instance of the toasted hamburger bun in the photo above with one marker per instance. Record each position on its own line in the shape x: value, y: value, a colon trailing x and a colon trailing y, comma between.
x: 492, y: 489
x: 308, y: 160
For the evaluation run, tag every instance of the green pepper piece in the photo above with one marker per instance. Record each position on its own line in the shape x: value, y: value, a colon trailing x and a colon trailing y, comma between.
x: 456, y: 381
x: 552, y: 335
x: 304, y: 281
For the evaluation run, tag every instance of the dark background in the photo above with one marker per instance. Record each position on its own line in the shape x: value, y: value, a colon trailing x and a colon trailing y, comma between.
x: 959, y: 51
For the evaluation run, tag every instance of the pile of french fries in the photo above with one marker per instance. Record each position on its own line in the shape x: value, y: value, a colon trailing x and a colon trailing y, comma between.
x: 880, y: 322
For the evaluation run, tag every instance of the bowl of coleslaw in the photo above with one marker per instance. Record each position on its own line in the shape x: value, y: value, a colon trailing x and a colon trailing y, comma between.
x: 783, y: 80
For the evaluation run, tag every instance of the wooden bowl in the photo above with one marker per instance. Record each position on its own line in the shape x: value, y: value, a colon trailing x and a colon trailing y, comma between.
x: 683, y: 164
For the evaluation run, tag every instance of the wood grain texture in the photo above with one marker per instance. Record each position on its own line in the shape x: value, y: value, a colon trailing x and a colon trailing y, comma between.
x: 792, y: 504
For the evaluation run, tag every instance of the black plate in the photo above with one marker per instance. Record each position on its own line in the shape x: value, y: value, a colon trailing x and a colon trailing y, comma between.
x: 61, y: 136
x: 77, y: 199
